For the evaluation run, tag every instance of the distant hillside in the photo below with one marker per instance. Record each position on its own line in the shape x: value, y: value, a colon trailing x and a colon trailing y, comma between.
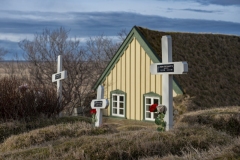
x: 214, y: 65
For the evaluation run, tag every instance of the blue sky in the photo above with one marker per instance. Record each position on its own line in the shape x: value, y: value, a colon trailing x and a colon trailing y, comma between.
x: 21, y: 19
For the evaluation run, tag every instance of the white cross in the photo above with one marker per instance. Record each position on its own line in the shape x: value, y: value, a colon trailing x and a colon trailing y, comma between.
x: 60, y: 75
x: 167, y: 68
x: 99, y: 104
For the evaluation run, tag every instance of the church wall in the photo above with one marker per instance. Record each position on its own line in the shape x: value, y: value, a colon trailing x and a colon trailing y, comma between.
x: 131, y: 74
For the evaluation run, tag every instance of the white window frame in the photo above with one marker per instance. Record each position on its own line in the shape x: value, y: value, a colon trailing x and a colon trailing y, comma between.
x: 146, y: 111
x: 118, y: 107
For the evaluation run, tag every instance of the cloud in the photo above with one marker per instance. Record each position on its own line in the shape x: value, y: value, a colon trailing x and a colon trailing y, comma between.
x: 15, y: 37
x: 110, y: 23
x: 220, y: 2
x: 84, y: 25
x: 200, y: 10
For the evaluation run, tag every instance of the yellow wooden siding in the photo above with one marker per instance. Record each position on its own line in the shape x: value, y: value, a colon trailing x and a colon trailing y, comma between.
x: 123, y: 72
x: 148, y: 74
x: 127, y: 74
x: 138, y: 107
x: 131, y: 74
x: 143, y: 78
x: 105, y: 111
x: 118, y: 74
x: 133, y: 79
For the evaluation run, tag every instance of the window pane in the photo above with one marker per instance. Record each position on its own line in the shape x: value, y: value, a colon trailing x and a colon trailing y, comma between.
x: 148, y: 100
x: 148, y: 114
x: 122, y: 98
x: 114, y: 111
x: 114, y: 104
x: 121, y: 105
x: 114, y: 98
x: 147, y: 107
x: 121, y: 111
x: 155, y: 101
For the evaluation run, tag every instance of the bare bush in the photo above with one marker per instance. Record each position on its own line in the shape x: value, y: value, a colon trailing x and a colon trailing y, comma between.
x: 101, y: 49
x: 22, y: 102
x: 42, y: 54
x: 83, y: 64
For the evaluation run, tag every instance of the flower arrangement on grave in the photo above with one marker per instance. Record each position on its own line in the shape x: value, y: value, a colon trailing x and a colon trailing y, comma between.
x: 159, y: 120
x: 93, y: 113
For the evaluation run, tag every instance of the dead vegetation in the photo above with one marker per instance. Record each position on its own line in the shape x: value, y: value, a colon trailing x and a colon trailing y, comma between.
x: 213, y: 61
x: 128, y: 139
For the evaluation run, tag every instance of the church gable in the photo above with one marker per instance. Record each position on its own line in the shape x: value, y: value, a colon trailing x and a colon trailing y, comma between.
x: 131, y: 74
x: 133, y: 36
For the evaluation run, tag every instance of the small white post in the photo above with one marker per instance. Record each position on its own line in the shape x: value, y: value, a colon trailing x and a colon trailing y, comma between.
x: 59, y: 83
x: 57, y: 77
x: 99, y: 104
x: 167, y: 68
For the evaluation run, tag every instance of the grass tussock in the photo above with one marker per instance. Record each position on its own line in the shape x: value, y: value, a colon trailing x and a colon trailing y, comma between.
x: 17, y: 127
x: 132, y: 145
x: 222, y: 119
x: 126, y: 139
x: 46, y: 134
x: 231, y: 151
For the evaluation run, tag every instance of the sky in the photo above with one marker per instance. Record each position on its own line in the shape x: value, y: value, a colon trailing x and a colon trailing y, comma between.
x: 21, y: 19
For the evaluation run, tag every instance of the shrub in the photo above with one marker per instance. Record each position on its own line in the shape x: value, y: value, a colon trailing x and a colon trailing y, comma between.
x: 21, y: 102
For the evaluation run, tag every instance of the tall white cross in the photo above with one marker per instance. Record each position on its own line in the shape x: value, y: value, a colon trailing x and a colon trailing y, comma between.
x: 99, y: 104
x: 167, y: 68
x: 60, y: 75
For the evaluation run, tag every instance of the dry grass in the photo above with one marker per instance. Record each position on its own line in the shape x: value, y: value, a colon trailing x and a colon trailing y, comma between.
x: 223, y: 119
x: 127, y: 145
x: 230, y: 151
x: 125, y: 139
x: 14, y: 68
x: 214, y: 64
x: 8, y: 129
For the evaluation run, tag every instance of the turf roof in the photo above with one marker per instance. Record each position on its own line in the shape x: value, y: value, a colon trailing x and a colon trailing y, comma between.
x: 214, y: 65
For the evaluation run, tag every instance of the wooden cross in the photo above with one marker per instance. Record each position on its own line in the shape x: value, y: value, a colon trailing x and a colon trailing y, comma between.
x: 57, y: 77
x: 167, y: 68
x: 99, y: 104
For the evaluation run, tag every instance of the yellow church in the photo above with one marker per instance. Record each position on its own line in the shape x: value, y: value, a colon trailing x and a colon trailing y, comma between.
x: 212, y: 78
x: 128, y: 84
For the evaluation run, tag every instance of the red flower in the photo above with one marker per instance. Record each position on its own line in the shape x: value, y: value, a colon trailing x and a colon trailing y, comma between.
x: 153, y: 108
x: 93, y: 111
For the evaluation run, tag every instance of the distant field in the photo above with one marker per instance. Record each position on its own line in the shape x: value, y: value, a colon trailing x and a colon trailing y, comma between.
x: 11, y: 68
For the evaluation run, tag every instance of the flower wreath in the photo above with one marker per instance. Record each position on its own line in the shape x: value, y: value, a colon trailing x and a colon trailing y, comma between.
x: 159, y: 120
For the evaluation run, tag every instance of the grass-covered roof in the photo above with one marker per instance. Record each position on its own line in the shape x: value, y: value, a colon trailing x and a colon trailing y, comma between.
x: 214, y: 65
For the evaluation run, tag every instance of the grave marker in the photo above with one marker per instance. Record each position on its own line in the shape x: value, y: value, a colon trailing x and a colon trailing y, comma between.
x: 99, y: 104
x: 167, y: 68
x: 57, y: 77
